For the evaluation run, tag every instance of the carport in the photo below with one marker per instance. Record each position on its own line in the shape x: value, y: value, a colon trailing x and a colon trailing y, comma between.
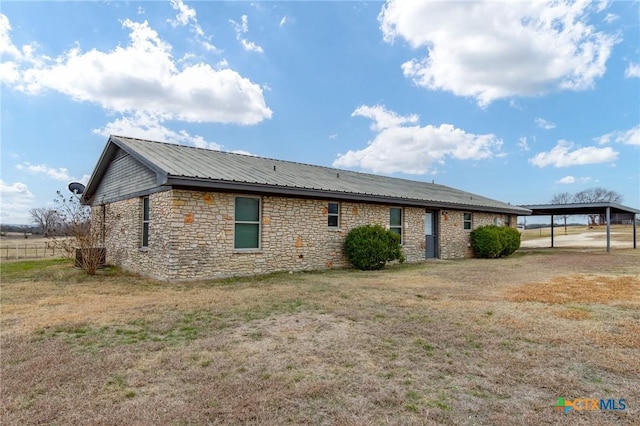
x: 600, y: 209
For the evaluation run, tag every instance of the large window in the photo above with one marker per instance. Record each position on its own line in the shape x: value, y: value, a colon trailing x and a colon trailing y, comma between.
x: 467, y: 221
x: 146, y: 219
x: 247, y: 223
x: 395, y: 220
x: 333, y: 217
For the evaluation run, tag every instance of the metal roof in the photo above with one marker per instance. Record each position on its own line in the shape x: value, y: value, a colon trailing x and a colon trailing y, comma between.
x: 579, y: 209
x: 205, y: 169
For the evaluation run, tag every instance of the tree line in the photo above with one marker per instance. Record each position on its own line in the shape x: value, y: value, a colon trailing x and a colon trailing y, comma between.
x: 591, y: 195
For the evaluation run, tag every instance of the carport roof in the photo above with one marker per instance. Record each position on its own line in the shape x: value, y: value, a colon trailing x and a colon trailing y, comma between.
x: 579, y: 209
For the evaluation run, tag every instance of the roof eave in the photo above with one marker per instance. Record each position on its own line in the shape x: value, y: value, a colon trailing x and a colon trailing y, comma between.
x: 235, y: 186
x: 579, y: 209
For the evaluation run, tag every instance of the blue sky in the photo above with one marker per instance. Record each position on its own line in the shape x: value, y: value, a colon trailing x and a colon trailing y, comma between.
x: 516, y: 101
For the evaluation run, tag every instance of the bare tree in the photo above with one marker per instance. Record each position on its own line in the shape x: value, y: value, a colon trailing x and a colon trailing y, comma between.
x: 86, y: 241
x: 597, y: 195
x: 45, y: 218
x: 563, y: 198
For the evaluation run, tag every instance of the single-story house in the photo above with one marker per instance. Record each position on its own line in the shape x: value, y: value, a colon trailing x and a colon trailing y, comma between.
x: 174, y: 212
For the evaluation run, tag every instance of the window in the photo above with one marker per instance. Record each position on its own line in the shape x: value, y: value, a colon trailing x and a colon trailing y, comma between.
x: 333, y: 218
x: 467, y: 221
x: 146, y: 219
x: 247, y: 223
x: 395, y: 220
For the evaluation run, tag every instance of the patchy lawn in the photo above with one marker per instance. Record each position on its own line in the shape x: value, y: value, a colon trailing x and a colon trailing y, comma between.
x: 444, y: 342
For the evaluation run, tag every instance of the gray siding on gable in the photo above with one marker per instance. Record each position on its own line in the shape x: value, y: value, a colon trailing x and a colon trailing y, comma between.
x: 125, y: 176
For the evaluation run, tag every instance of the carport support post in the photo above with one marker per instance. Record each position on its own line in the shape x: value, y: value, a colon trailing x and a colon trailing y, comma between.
x: 633, y: 223
x: 608, y: 229
x: 551, y: 231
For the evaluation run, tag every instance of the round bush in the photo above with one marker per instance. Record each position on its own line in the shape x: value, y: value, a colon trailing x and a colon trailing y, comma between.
x: 494, y: 241
x: 370, y: 247
x: 510, y: 241
x: 485, y: 241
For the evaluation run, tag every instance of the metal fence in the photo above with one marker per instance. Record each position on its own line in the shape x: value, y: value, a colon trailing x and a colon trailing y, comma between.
x: 33, y: 250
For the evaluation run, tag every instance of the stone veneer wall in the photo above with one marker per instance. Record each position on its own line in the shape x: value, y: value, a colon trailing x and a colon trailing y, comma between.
x: 123, y: 235
x: 455, y: 241
x: 191, y: 235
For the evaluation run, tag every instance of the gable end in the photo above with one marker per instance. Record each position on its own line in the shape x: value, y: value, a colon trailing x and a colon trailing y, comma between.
x: 125, y: 176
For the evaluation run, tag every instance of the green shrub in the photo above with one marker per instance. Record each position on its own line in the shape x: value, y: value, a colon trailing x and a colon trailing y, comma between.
x: 485, y: 241
x: 510, y: 241
x: 494, y: 241
x: 370, y: 247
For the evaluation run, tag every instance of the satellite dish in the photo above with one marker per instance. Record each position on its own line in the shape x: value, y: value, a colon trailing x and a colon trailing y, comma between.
x: 76, y: 188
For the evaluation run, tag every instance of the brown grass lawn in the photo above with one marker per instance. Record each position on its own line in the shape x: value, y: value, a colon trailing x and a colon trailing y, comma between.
x: 445, y: 342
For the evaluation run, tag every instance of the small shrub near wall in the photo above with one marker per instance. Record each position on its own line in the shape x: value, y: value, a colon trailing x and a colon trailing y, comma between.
x: 370, y: 247
x: 494, y: 241
x: 510, y: 238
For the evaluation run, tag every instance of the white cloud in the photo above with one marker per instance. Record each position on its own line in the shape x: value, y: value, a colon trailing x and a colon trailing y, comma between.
x: 610, y: 17
x: 147, y: 126
x: 604, y: 139
x: 15, y: 202
x: 243, y: 28
x: 567, y: 180
x: 626, y: 137
x: 602, y: 5
x: 143, y: 76
x: 562, y: 156
x: 283, y: 21
x: 544, y: 124
x: 522, y: 143
x: 383, y: 118
x: 414, y: 149
x: 186, y: 14
x: 12, y: 56
x: 629, y: 137
x: 633, y: 70
x: 6, y: 45
x: 489, y: 51
x: 60, y: 173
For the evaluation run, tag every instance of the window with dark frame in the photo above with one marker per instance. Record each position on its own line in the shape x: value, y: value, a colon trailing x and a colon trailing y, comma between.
x: 467, y: 221
x: 247, y: 223
x: 146, y: 220
x: 395, y: 220
x: 333, y: 215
